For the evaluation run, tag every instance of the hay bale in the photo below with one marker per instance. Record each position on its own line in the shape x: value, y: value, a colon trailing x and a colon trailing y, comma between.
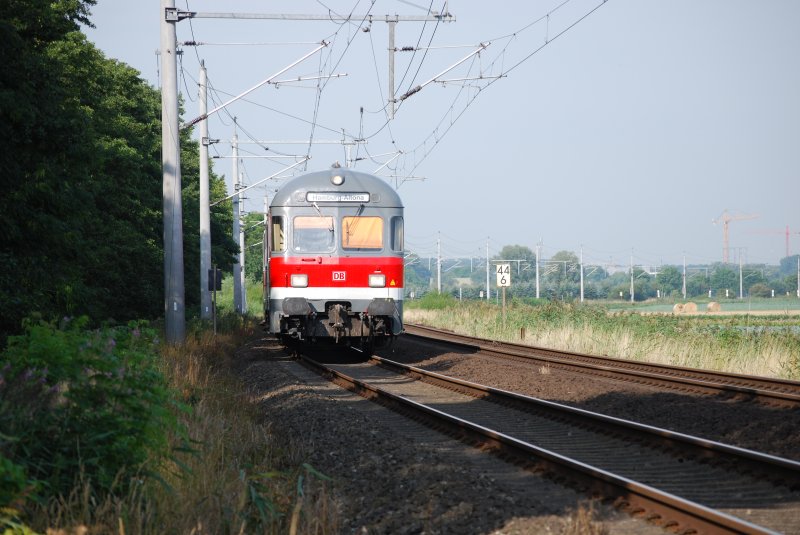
x: 689, y: 308
x: 713, y: 306
x: 678, y: 308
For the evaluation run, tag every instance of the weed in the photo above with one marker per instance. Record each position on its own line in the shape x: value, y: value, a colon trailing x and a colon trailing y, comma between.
x: 81, y: 404
x: 730, y: 344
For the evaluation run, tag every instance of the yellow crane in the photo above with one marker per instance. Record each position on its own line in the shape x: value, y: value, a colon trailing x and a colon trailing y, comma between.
x: 725, y: 218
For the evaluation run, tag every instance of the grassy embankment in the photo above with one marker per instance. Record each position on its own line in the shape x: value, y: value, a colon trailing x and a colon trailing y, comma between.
x: 210, y: 464
x: 767, y: 345
x: 109, y: 431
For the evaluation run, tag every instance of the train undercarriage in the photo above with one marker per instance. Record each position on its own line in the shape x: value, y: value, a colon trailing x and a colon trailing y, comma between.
x: 300, y: 323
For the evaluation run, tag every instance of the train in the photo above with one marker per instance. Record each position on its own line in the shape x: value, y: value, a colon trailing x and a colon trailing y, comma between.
x: 333, y: 260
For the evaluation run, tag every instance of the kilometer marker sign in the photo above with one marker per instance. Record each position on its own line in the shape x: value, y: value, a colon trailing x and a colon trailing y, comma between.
x: 503, y: 275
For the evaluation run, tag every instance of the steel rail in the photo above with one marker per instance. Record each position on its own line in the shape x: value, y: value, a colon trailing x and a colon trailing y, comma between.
x: 770, y: 391
x: 778, y: 467
x: 676, y: 512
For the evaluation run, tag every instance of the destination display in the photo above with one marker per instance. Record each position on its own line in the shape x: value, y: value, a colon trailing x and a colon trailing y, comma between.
x: 336, y: 196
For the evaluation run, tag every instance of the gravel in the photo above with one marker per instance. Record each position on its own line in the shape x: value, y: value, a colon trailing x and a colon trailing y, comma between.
x: 740, y: 423
x: 392, y: 475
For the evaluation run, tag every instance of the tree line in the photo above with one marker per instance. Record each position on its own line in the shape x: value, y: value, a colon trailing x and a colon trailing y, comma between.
x: 81, y: 211
x: 559, y: 278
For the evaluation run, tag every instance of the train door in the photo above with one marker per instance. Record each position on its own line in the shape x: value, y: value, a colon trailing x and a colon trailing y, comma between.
x: 274, y: 244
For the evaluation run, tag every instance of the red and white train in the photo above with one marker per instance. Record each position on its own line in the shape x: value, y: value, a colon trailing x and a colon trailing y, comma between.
x: 334, y: 259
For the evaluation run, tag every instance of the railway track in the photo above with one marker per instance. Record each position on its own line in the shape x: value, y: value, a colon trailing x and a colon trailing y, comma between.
x: 768, y: 391
x: 679, y: 482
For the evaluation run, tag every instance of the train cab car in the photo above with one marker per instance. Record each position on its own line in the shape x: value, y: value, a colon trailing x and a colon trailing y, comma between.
x: 334, y: 259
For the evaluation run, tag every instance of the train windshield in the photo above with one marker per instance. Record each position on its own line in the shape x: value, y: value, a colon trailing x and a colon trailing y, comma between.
x: 362, y: 232
x: 313, y: 234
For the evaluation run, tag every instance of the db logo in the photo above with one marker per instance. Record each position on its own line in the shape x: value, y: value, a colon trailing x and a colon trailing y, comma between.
x: 339, y: 275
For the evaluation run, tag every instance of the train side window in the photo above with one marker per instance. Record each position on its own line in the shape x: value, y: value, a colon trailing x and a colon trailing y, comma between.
x: 312, y: 234
x: 397, y: 233
x: 278, y: 234
x: 362, y: 232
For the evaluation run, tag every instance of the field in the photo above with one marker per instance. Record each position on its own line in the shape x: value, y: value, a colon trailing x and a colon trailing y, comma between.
x: 780, y: 305
x: 765, y: 343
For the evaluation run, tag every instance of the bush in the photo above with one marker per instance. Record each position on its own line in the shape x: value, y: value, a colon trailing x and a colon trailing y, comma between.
x: 760, y: 289
x: 80, y: 405
x: 436, y: 301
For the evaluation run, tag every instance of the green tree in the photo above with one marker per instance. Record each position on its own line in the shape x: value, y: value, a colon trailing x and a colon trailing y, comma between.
x: 697, y: 285
x: 724, y: 278
x: 643, y: 285
x: 760, y: 289
x: 561, y: 276
x: 519, y: 252
x: 81, y: 207
x: 253, y: 240
x: 791, y: 284
x: 39, y: 124
x: 669, y: 280
x: 788, y: 265
x: 223, y: 247
x: 516, y: 252
x: 417, y: 276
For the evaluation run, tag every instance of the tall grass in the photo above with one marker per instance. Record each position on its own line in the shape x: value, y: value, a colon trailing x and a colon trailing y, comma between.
x: 242, y: 476
x: 767, y: 346
x: 253, y: 296
x: 228, y: 472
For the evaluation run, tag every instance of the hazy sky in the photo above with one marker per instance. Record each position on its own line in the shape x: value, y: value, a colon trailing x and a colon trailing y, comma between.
x: 629, y: 132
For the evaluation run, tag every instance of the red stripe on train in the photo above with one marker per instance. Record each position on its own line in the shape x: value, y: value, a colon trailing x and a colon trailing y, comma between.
x: 327, y: 271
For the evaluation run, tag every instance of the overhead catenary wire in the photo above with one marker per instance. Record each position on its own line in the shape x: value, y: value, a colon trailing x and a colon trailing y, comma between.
x: 250, y: 90
x: 411, y: 61
x: 321, y: 86
x: 437, y: 134
x: 504, y: 73
x: 195, y: 43
x: 410, y: 160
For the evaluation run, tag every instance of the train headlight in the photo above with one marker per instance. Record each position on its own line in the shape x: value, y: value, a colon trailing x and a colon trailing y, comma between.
x: 337, y: 180
x: 377, y: 280
x: 299, y: 280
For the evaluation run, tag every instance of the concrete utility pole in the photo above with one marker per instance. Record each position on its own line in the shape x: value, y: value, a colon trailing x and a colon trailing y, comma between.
x: 741, y: 282
x: 488, y: 291
x: 392, y: 23
x: 684, y: 275
x: 538, y: 245
x: 242, y: 250
x: 581, y: 273
x: 438, y: 263
x: 631, y: 276
x: 237, y: 267
x: 174, y: 303
x: 205, y: 211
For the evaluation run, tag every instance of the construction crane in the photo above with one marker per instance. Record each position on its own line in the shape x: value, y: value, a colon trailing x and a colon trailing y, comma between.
x: 787, y: 232
x: 725, y: 219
